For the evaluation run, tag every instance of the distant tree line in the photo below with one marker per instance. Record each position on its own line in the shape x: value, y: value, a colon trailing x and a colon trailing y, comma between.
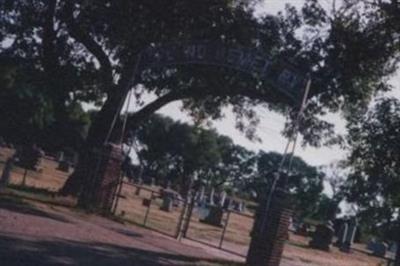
x: 173, y: 151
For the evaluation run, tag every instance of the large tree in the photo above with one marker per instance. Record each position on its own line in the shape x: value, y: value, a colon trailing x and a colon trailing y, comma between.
x: 374, y: 164
x: 87, y: 50
x: 304, y: 183
x: 176, y: 151
x: 29, y: 114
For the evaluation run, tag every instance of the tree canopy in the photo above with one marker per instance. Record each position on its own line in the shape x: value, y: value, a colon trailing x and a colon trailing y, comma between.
x: 305, y: 182
x: 87, y: 50
x: 174, y: 151
x: 374, y: 179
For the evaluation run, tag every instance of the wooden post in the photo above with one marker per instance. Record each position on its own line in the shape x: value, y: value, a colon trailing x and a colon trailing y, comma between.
x: 23, y: 183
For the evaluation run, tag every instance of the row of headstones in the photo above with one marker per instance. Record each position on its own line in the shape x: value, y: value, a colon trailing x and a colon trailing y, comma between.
x: 222, y: 200
x: 172, y: 198
x: 323, y: 236
x: 202, y: 200
x: 30, y: 156
x: 215, y: 211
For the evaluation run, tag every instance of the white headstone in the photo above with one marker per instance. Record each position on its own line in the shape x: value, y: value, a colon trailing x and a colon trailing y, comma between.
x: 222, y: 198
x: 211, y: 199
x: 201, y: 194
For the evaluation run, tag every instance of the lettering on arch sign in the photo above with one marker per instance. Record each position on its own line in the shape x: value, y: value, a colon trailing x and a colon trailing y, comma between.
x: 279, y: 75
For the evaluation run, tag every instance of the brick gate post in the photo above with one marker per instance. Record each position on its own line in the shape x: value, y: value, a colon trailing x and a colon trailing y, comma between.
x: 268, y: 238
x: 397, y: 259
x: 102, y: 178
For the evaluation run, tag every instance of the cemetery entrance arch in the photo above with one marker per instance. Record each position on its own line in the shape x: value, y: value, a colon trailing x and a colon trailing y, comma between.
x: 282, y: 77
x: 278, y: 74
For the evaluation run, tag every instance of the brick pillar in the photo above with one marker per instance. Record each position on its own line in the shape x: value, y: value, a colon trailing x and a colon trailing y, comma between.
x: 103, y: 172
x: 268, y: 239
x: 397, y: 260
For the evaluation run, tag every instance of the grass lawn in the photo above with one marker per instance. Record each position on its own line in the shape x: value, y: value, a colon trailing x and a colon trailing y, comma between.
x: 42, y: 185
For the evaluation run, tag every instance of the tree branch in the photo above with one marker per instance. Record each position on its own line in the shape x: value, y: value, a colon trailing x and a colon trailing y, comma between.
x: 50, y: 62
x: 135, y: 119
x: 82, y: 36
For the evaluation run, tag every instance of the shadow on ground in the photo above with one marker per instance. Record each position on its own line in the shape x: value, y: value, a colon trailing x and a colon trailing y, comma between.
x: 34, y: 190
x: 15, y: 205
x: 127, y: 232
x: 22, y: 252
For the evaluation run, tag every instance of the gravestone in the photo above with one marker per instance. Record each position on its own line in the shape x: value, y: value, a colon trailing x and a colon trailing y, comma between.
x: 322, y: 237
x: 74, y: 159
x: 3, y: 144
x: 342, y: 233
x: 348, y: 236
x: 371, y: 243
x: 211, y: 198
x: 63, y: 166
x: 302, y: 230
x: 214, y: 216
x: 138, y: 188
x: 393, y: 247
x: 177, y: 200
x: 241, y: 207
x: 168, y: 199
x: 29, y: 157
x: 379, y: 249
x: 5, y: 176
x: 222, y: 197
x: 60, y: 156
x: 168, y: 184
x: 292, y: 227
x: 201, y: 196
x: 228, y: 203
x: 146, y: 202
x: 216, y: 212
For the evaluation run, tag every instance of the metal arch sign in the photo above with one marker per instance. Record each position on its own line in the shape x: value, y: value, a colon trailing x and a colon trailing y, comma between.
x: 279, y: 75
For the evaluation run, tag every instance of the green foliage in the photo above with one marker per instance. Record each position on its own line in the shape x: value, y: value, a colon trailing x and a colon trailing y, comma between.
x: 324, y: 209
x: 374, y: 163
x: 174, y: 150
x: 69, y: 131
x: 29, y: 114
x: 305, y: 181
x: 24, y: 107
x: 88, y: 51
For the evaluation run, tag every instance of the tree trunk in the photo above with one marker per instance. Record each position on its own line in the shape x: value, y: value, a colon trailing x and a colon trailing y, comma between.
x: 96, y: 137
x: 100, y: 128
